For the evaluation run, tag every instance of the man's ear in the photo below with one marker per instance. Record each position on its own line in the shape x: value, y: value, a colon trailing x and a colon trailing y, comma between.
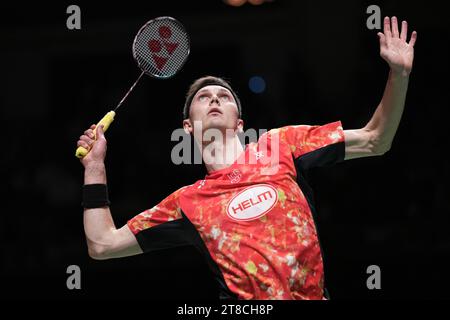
x: 187, y: 126
x: 240, y: 125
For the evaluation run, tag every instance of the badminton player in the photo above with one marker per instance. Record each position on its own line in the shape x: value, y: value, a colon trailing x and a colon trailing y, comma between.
x: 250, y: 217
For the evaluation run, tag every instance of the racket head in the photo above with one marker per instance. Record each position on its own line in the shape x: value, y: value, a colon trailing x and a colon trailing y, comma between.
x: 161, y: 47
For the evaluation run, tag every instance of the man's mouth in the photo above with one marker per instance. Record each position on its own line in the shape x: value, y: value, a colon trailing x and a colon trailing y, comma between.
x: 214, y: 111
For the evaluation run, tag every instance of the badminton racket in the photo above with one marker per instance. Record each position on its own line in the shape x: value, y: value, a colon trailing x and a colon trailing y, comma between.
x: 160, y: 48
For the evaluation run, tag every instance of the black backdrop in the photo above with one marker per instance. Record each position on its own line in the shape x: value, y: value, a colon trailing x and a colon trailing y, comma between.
x: 320, y: 64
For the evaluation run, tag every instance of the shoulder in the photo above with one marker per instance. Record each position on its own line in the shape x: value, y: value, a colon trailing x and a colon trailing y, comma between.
x: 180, y: 191
x: 283, y: 134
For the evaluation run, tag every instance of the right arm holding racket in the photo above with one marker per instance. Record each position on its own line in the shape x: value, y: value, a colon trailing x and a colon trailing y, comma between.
x: 103, y: 239
x: 160, y: 49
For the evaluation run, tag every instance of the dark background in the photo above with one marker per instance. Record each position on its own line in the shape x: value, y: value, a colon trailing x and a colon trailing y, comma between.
x: 320, y: 64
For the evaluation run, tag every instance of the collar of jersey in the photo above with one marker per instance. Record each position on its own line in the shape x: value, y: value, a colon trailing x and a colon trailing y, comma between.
x: 218, y: 173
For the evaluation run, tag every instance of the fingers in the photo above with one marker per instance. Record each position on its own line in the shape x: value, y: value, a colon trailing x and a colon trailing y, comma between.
x: 394, y: 27
x: 412, y: 41
x: 387, y: 27
x: 89, y: 133
x: 83, y: 144
x: 382, y: 38
x: 88, y: 138
x: 100, y: 132
x: 88, y: 141
x: 404, y: 31
x: 390, y: 30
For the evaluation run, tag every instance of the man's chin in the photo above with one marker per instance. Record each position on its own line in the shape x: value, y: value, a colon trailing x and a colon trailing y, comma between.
x: 216, y: 123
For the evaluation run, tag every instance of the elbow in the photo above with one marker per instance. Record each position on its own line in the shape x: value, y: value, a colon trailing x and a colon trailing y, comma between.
x: 380, y: 149
x: 379, y: 146
x: 98, y: 251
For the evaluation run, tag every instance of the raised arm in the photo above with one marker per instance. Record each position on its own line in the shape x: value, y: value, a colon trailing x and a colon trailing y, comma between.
x: 103, y: 239
x: 377, y: 136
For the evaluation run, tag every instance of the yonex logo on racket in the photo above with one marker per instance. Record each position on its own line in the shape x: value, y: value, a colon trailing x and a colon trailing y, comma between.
x: 163, y: 43
x: 161, y: 47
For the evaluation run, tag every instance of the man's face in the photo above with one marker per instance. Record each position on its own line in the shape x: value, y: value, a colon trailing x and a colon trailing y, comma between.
x: 214, y: 107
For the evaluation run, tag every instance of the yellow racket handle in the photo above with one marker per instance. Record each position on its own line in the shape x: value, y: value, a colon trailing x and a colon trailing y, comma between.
x: 106, y: 121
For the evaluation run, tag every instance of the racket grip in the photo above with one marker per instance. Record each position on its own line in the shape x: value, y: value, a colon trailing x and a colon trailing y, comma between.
x: 106, y: 121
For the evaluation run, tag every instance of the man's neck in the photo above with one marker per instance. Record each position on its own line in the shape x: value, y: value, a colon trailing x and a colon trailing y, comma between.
x: 218, y: 155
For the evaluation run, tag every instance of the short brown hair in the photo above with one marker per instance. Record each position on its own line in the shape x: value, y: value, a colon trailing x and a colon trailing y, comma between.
x: 203, y: 82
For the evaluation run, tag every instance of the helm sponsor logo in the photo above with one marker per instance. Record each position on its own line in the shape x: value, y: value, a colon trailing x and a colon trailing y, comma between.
x: 252, y: 203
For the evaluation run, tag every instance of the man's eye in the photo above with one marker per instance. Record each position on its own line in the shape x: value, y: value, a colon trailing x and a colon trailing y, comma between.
x: 202, y: 98
x: 225, y: 98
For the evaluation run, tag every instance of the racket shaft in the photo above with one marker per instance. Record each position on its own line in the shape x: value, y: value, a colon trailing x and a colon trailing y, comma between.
x: 106, y: 121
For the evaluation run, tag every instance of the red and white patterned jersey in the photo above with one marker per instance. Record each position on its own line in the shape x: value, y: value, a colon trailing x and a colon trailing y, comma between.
x: 254, y: 219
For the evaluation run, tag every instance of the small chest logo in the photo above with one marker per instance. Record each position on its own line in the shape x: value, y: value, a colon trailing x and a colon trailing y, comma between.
x: 234, y: 176
x: 252, y: 203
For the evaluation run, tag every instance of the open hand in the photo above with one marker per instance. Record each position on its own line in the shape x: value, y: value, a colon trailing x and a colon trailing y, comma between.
x: 398, y: 53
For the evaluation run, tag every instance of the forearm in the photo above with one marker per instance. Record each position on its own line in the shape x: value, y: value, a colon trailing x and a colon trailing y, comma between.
x: 387, y: 116
x: 98, y: 223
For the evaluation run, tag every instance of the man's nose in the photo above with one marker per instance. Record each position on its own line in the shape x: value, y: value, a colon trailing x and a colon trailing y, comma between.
x: 214, y: 98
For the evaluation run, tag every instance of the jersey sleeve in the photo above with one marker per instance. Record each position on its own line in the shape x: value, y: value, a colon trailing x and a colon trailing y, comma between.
x: 160, y: 227
x: 315, y: 145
